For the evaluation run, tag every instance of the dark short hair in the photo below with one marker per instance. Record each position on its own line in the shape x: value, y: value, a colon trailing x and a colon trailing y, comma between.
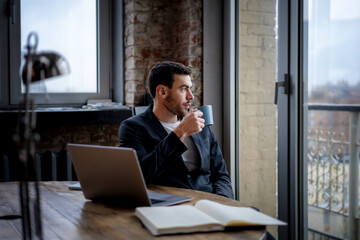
x: 163, y: 73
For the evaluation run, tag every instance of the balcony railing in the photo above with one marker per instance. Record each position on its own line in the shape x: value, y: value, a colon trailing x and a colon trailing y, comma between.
x: 333, y: 171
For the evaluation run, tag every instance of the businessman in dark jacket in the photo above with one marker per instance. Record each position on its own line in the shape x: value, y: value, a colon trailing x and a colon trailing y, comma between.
x: 173, y: 145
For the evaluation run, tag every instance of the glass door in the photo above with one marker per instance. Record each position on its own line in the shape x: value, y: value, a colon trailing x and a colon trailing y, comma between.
x: 330, y: 74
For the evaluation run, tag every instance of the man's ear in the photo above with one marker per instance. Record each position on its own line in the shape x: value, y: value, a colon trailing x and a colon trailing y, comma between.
x: 161, y: 90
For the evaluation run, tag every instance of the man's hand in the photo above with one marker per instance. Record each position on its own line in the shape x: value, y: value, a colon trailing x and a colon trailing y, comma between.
x: 191, y: 124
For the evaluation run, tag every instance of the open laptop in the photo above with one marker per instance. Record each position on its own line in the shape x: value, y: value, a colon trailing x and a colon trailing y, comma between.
x: 114, y: 173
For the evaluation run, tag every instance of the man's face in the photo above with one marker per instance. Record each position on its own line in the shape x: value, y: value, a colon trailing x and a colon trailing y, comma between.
x: 178, y: 99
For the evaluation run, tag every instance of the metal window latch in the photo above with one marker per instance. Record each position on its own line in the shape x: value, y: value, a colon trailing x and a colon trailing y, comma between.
x: 285, y: 84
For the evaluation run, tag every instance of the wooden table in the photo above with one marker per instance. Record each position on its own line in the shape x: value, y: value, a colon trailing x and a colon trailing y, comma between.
x: 66, y: 214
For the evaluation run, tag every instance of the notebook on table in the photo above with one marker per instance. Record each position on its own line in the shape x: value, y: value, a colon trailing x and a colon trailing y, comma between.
x: 114, y: 174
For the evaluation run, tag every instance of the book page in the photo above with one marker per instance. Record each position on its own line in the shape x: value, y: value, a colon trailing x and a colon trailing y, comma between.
x: 236, y: 216
x: 176, y: 219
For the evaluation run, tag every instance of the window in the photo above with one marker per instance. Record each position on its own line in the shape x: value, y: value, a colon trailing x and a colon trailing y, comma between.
x: 68, y: 27
x: 80, y: 30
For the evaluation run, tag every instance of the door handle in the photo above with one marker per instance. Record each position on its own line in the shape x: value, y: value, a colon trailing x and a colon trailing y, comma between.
x: 285, y: 84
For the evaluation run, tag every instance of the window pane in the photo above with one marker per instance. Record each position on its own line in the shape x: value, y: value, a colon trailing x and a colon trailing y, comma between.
x: 332, y: 78
x: 333, y: 51
x: 69, y: 28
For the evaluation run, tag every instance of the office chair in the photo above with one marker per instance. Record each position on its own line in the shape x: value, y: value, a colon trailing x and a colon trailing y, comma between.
x: 139, y: 109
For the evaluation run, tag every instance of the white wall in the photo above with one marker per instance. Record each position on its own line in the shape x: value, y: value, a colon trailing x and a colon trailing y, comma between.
x: 258, y: 171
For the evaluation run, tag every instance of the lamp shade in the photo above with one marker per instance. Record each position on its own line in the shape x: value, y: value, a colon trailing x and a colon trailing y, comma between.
x: 44, y: 65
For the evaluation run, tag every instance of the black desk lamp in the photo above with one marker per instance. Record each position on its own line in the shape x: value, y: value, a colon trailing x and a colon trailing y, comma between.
x: 37, y: 67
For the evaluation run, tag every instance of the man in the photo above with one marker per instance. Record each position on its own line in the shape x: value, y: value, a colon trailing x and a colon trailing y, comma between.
x: 173, y: 145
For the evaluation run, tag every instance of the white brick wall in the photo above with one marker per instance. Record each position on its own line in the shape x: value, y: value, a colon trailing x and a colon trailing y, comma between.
x: 257, y: 111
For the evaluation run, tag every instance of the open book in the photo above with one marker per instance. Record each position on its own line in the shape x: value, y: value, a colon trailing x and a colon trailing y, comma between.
x: 205, y: 216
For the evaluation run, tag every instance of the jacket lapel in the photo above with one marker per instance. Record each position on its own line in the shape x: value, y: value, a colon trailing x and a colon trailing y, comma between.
x: 154, y: 123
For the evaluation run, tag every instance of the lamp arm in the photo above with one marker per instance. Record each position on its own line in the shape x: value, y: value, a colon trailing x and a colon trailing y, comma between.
x: 27, y: 155
x: 38, y: 66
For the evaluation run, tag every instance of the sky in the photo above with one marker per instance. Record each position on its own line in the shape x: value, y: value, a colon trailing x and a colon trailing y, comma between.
x: 332, y: 42
x: 345, y: 9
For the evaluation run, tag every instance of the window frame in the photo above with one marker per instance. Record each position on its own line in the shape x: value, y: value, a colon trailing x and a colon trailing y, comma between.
x: 4, y: 53
x: 10, y: 53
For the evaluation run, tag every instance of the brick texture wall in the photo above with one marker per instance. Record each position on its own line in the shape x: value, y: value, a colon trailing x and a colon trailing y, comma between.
x: 257, y: 110
x: 161, y: 30
x: 55, y: 138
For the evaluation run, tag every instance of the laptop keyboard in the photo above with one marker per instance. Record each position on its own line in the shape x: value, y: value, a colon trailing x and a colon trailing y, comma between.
x: 154, y: 201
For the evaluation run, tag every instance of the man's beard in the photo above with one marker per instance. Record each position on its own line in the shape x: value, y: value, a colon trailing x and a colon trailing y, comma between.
x: 174, y: 108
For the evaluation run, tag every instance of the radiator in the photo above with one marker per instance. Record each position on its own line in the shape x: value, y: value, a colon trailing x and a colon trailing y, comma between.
x: 50, y: 166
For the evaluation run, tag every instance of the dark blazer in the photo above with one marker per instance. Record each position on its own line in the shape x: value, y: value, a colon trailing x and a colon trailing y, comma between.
x: 159, y: 154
